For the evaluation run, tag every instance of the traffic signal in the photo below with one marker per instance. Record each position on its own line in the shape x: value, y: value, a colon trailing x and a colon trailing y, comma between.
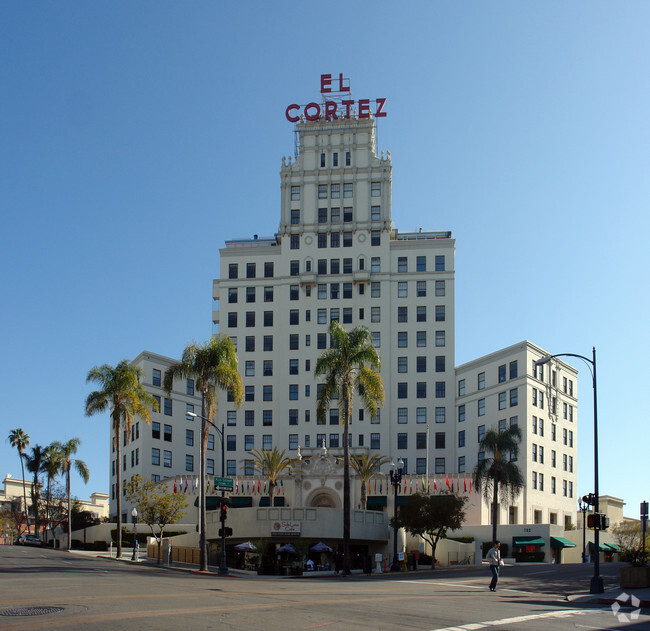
x: 223, y: 512
x: 589, y: 499
x: 598, y: 521
x: 228, y: 531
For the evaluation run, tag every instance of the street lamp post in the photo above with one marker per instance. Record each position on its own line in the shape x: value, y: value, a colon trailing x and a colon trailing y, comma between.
x: 596, y: 586
x: 644, y: 524
x: 134, y: 515
x: 583, y: 507
x: 396, y: 474
x: 223, y: 568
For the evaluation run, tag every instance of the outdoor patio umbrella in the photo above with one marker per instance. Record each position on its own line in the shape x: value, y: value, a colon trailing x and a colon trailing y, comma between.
x: 288, y: 548
x: 321, y: 547
x: 247, y: 546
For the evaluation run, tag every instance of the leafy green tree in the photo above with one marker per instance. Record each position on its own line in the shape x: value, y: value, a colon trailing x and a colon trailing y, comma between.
x: 350, y: 365
x: 430, y: 517
x: 66, y: 451
x: 20, y: 440
x: 271, y: 463
x: 35, y: 464
x: 213, y: 365
x: 367, y: 467
x: 82, y: 518
x: 497, y: 476
x: 155, y: 506
x: 123, y: 395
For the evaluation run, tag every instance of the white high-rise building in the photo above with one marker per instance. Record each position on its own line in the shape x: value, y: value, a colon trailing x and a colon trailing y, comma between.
x: 338, y: 256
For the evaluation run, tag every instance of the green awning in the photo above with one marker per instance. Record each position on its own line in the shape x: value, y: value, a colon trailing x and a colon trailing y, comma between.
x: 561, y: 542
x: 528, y: 541
x: 213, y: 502
x: 376, y: 500
x: 613, y: 546
x: 277, y: 501
x: 603, y: 547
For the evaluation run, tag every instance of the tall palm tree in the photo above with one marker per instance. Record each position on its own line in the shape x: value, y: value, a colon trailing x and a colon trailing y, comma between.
x: 122, y: 393
x: 496, y: 475
x: 20, y: 440
x: 271, y: 463
x: 52, y: 468
x: 367, y: 467
x: 213, y: 365
x: 350, y: 365
x: 66, y: 451
x: 34, y: 463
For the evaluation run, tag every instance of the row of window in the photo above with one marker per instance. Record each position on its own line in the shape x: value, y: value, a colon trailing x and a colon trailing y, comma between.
x: 334, y: 315
x: 537, y: 427
x: 480, y: 404
x: 335, y: 291
x: 480, y: 378
x: 537, y: 483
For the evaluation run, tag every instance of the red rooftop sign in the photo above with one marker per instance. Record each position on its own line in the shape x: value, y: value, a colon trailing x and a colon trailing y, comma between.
x: 335, y: 109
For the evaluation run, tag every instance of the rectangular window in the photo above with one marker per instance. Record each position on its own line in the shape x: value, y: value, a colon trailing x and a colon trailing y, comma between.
x: 402, y: 441
x: 402, y: 339
x: 167, y: 433
x: 189, y: 462
x: 375, y: 213
x: 347, y: 239
x: 421, y: 390
x: 402, y: 265
x: 481, y: 381
x: 375, y: 189
x: 155, y: 456
x: 375, y: 441
x: 514, y: 397
x: 440, y: 263
x: 375, y: 237
x: 231, y: 418
x: 421, y: 363
x: 402, y: 289
x: 421, y: 313
x: 420, y: 415
x: 502, y: 373
x: 440, y: 390
x: 402, y: 390
x: 295, y: 216
x: 440, y: 363
x: 250, y: 318
x: 267, y: 393
x: 481, y: 407
x: 375, y: 314
x: 347, y: 189
x: 295, y: 193
x: 375, y: 289
x: 250, y: 294
x: 249, y: 393
x: 294, y: 341
x: 481, y: 433
x: 293, y: 392
x: 167, y: 459
x: 440, y: 288
x: 402, y: 364
x: 155, y: 380
x: 502, y: 400
x: 233, y: 270
x: 189, y: 437
x: 421, y: 338
x: 440, y: 338
x: 421, y: 263
x: 513, y: 369
x: 421, y: 288
x: 461, y: 438
x: 439, y: 465
x: 440, y: 440
x: 461, y: 413
x: 322, y: 191
x: 168, y: 407
x: 155, y: 429
x: 440, y: 415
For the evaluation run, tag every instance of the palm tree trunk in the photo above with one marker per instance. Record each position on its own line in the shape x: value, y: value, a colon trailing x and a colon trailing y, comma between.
x: 203, y: 557
x: 67, y: 490
x: 22, y: 465
x: 346, y: 489
x: 271, y: 492
x: 118, y: 452
x: 495, y: 505
x: 364, y: 499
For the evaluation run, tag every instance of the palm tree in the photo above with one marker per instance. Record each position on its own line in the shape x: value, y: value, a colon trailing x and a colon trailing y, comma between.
x: 20, y: 440
x: 66, y: 451
x: 122, y: 393
x: 496, y: 476
x: 271, y: 463
x: 350, y: 365
x: 35, y: 465
x: 367, y: 467
x: 52, y: 468
x: 213, y: 365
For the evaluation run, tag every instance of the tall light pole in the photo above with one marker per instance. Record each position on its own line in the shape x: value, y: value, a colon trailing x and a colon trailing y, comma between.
x: 396, y: 474
x: 596, y: 586
x: 223, y: 568
x: 134, y: 515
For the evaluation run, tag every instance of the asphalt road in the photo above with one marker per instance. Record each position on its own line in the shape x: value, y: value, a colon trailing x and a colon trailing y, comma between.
x: 100, y: 593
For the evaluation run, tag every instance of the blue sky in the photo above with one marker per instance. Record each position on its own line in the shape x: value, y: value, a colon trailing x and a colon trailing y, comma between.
x: 136, y: 137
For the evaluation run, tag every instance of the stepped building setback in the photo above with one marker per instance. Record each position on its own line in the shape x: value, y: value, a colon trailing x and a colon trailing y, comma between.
x: 337, y: 255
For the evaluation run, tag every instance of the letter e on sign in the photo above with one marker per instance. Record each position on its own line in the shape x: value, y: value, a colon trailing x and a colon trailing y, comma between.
x: 325, y: 83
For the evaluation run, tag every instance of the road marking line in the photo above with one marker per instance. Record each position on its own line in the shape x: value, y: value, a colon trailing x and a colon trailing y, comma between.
x: 562, y: 613
x: 536, y: 573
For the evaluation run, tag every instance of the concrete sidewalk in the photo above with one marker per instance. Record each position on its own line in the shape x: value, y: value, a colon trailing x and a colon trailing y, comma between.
x: 636, y: 598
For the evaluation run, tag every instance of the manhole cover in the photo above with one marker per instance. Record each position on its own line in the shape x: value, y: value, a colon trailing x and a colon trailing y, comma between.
x: 29, y: 611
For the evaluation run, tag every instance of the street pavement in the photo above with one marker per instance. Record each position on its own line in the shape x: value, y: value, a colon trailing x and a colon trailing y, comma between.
x: 81, y: 590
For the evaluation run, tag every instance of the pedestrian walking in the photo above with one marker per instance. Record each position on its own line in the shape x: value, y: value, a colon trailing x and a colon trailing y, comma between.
x: 495, y: 561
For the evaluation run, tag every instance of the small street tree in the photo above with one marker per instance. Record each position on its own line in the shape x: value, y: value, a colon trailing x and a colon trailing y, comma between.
x: 155, y: 506
x: 367, y: 467
x: 430, y: 517
x: 271, y: 463
x: 35, y: 464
